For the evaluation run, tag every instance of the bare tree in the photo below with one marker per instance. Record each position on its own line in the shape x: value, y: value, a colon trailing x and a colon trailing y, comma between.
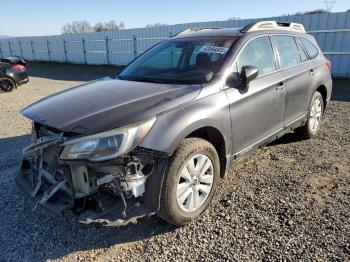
x: 84, y: 26
x: 99, y: 27
x: 111, y: 25
x: 121, y: 25
x: 317, y: 11
x: 155, y: 25
x: 233, y: 18
x: 77, y: 27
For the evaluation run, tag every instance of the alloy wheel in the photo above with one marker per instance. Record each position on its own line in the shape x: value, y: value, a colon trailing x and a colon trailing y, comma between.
x: 6, y: 85
x: 195, y: 183
x: 315, y: 114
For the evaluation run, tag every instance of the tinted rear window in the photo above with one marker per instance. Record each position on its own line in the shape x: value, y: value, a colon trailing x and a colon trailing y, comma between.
x: 310, y: 48
x: 288, y: 51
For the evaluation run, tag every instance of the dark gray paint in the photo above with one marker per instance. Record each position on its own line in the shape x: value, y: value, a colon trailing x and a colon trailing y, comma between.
x: 106, y: 104
x: 244, y: 117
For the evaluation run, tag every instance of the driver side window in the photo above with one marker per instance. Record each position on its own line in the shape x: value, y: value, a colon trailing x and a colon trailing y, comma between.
x: 258, y: 53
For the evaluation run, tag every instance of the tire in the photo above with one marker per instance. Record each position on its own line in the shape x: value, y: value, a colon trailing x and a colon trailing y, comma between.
x: 7, y: 84
x: 314, y: 117
x: 200, y: 153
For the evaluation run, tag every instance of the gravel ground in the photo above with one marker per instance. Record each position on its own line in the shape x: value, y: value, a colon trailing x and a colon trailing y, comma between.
x: 289, y: 201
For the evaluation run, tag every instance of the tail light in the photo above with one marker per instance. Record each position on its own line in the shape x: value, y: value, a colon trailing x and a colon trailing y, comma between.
x: 18, y: 67
x: 329, y: 65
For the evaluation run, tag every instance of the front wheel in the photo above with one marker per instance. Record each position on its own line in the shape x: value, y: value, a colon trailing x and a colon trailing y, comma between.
x: 190, y: 181
x: 315, y: 116
x: 6, y: 84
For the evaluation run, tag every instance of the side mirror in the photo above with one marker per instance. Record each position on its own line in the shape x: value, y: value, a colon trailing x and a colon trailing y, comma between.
x: 248, y: 73
x: 233, y: 79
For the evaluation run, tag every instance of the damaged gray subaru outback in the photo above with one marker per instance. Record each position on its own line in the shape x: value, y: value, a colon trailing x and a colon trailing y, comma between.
x: 158, y: 137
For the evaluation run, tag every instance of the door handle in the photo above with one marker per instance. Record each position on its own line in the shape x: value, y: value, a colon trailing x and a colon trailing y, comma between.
x: 311, y: 72
x: 280, y: 86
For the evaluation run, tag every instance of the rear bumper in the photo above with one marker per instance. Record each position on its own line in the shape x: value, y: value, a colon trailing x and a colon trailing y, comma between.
x: 20, y: 78
x: 22, y: 82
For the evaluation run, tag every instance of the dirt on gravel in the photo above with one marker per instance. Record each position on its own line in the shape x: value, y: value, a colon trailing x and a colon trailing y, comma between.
x: 289, y: 201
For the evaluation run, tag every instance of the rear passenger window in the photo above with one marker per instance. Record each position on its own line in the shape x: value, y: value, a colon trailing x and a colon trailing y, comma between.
x: 258, y: 53
x: 311, y: 49
x: 288, y: 50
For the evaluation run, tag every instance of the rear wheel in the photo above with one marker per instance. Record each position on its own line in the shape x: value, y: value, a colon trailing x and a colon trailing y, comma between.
x: 315, y: 116
x: 7, y: 85
x: 190, y: 181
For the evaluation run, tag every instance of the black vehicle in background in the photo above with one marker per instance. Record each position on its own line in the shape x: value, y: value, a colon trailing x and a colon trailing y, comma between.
x: 13, y: 73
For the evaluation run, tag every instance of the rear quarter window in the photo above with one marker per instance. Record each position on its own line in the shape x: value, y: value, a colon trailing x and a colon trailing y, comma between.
x: 310, y: 48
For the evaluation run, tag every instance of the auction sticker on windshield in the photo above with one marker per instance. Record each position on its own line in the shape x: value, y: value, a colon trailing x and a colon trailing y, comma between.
x: 213, y: 49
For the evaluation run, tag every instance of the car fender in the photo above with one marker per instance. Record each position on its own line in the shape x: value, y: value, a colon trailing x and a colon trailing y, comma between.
x: 173, y: 126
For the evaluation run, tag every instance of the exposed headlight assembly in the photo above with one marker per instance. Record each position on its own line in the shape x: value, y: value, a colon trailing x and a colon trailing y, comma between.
x: 107, y: 145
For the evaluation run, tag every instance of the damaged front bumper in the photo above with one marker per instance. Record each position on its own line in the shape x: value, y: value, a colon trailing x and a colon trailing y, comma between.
x: 113, y: 193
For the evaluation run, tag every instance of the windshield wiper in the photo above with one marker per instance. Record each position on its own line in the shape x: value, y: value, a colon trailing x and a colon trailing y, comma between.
x: 145, y: 79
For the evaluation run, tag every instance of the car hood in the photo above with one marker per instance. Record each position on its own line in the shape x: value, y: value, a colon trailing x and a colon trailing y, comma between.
x: 107, y: 103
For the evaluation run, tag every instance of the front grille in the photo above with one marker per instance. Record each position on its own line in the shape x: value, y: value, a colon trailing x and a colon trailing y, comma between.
x: 42, y: 176
x: 25, y: 183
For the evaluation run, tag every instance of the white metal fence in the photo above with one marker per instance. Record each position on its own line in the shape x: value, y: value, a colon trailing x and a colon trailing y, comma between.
x: 332, y: 31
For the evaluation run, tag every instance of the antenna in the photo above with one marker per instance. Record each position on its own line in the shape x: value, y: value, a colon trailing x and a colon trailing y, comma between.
x: 329, y: 4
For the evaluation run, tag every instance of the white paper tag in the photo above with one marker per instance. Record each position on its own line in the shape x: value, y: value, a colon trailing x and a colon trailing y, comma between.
x: 213, y: 49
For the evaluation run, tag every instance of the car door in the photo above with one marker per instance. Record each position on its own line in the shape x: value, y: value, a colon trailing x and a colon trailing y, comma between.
x: 256, y: 111
x: 297, y: 76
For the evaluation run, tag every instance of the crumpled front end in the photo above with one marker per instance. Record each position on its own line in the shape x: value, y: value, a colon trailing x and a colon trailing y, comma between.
x: 113, y: 192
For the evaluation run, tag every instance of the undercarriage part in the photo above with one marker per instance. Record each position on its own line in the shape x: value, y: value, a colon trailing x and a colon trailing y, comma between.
x: 115, y: 214
x: 110, y: 193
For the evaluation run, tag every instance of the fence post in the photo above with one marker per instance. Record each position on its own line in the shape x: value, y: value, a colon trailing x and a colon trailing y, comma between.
x: 48, y: 49
x: 10, y: 49
x: 20, y: 48
x: 32, y: 47
x: 65, y: 51
x: 108, y: 51
x: 84, y: 49
x: 135, y: 45
x: 1, y: 54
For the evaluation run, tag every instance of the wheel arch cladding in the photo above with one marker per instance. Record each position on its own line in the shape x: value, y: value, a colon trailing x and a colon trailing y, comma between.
x: 323, y: 90
x: 213, y: 136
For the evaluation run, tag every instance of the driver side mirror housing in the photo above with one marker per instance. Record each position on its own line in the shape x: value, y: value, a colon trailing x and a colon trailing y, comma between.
x: 248, y: 73
x: 241, y: 80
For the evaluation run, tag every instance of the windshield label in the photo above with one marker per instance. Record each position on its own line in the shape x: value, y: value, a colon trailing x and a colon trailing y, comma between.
x: 213, y: 49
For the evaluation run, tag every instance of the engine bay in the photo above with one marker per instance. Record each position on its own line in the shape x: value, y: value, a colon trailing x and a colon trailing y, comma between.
x: 113, y: 192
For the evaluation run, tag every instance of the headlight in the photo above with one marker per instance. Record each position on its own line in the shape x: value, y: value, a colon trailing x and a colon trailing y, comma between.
x: 107, y: 145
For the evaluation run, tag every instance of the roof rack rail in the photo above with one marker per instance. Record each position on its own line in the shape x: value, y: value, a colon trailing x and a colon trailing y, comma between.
x: 191, y: 30
x: 266, y: 25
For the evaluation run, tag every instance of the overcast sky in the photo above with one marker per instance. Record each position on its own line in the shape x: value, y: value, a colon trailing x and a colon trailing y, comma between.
x: 44, y: 17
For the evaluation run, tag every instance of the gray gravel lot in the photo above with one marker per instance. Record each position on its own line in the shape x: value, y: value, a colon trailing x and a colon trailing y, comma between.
x: 289, y: 201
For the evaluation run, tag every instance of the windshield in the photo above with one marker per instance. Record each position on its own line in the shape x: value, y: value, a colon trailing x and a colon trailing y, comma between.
x: 180, y: 61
